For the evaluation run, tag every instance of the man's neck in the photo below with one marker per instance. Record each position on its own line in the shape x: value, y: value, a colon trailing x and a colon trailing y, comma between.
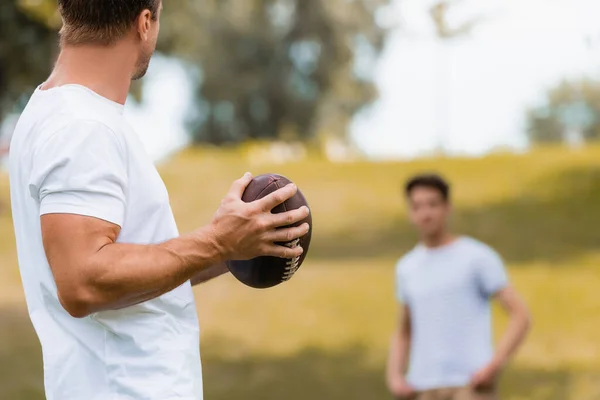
x: 438, y: 240
x: 105, y: 70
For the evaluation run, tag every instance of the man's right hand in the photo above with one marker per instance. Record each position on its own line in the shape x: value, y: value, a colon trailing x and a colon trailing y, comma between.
x: 246, y: 230
x: 401, y: 389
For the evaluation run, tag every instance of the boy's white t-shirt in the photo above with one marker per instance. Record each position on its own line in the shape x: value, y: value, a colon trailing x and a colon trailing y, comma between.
x: 447, y: 291
x: 73, y: 152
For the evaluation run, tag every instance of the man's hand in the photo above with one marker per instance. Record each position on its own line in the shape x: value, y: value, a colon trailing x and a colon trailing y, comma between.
x: 486, y: 377
x: 246, y: 230
x: 401, y: 389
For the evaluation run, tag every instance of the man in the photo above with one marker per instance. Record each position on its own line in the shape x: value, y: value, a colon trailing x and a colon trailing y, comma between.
x: 105, y: 272
x: 445, y: 285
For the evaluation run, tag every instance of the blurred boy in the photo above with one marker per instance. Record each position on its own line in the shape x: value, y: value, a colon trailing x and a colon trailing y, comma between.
x: 444, y: 286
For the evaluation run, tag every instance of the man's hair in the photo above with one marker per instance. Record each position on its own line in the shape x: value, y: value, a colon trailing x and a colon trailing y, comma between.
x: 432, y: 181
x: 101, y: 22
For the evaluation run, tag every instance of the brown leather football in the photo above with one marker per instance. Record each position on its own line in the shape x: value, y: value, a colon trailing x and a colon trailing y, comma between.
x: 266, y: 272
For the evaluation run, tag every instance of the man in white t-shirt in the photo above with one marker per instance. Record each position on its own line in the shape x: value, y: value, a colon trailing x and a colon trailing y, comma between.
x: 107, y: 277
x: 444, y: 286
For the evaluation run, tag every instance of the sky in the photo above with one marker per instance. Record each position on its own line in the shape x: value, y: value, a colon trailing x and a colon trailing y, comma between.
x: 160, y: 119
x: 469, y: 96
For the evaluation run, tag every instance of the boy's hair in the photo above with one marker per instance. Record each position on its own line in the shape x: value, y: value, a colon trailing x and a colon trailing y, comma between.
x: 101, y: 22
x: 432, y: 181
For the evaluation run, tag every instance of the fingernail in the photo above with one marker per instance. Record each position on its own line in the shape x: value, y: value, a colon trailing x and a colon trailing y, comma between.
x: 247, y: 175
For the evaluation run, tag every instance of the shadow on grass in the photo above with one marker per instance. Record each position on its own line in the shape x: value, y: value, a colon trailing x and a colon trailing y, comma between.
x: 344, y: 374
x: 347, y: 374
x: 554, y: 219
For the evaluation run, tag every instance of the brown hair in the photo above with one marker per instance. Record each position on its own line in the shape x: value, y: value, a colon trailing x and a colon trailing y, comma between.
x: 432, y: 181
x: 101, y: 22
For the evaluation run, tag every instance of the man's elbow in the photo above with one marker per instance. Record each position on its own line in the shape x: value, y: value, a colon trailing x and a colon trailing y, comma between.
x: 527, y: 319
x: 77, y: 301
x: 523, y: 315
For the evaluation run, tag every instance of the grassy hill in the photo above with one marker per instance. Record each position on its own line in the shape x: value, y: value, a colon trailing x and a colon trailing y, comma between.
x: 324, y: 334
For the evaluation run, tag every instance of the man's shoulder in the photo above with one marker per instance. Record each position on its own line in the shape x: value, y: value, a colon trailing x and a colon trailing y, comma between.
x: 101, y: 121
x: 477, y: 247
x: 406, y: 262
x: 74, y: 131
x: 74, y: 105
x: 45, y: 119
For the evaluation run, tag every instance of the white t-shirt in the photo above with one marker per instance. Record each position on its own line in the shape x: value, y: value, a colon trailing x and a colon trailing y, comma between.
x: 447, y: 291
x: 73, y: 152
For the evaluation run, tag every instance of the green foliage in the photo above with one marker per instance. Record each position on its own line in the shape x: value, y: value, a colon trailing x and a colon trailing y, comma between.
x: 570, y: 104
x: 265, y: 68
x: 273, y: 68
x: 27, y: 48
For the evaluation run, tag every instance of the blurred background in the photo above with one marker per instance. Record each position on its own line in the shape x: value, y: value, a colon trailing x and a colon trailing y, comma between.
x: 348, y: 98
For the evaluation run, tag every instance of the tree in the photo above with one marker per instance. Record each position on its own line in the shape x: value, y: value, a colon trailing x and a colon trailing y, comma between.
x: 265, y: 68
x: 446, y: 30
x: 275, y: 68
x: 27, y: 48
x: 570, y: 108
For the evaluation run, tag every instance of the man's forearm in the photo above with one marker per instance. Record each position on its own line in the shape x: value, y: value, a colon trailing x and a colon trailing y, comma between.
x: 207, y: 274
x: 127, y: 274
x: 516, y: 331
x: 398, y: 356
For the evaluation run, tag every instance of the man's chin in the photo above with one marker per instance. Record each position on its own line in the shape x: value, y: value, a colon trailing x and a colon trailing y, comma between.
x: 432, y: 233
x: 139, y: 76
x: 140, y: 73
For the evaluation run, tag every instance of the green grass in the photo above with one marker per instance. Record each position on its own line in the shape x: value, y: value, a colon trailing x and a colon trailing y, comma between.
x: 324, y: 334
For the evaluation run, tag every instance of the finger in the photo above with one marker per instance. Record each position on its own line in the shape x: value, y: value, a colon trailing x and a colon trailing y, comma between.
x: 274, y: 199
x: 288, y: 217
x: 288, y: 234
x: 276, y: 250
x: 238, y: 186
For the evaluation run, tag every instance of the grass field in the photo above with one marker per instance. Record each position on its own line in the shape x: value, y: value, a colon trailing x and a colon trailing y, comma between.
x: 324, y: 334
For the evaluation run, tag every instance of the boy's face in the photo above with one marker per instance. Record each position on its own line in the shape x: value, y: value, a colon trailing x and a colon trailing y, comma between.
x: 428, y: 210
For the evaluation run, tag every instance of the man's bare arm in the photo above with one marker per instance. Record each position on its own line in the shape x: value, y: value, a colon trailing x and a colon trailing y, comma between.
x: 207, y: 274
x: 517, y: 329
x: 399, y: 348
x: 95, y: 273
x: 518, y: 326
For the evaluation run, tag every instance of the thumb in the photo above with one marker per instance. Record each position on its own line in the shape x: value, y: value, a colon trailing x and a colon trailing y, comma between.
x: 239, y: 186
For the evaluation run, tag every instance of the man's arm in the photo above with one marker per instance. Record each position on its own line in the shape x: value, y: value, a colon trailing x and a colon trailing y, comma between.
x: 399, y: 354
x: 207, y: 274
x: 518, y: 326
x: 94, y: 273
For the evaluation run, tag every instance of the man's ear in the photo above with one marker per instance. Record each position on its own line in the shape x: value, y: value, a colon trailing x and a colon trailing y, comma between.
x: 144, y: 22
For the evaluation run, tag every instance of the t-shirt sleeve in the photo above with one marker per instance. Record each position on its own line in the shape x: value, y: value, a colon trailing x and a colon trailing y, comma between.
x: 491, y: 273
x: 81, y: 169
